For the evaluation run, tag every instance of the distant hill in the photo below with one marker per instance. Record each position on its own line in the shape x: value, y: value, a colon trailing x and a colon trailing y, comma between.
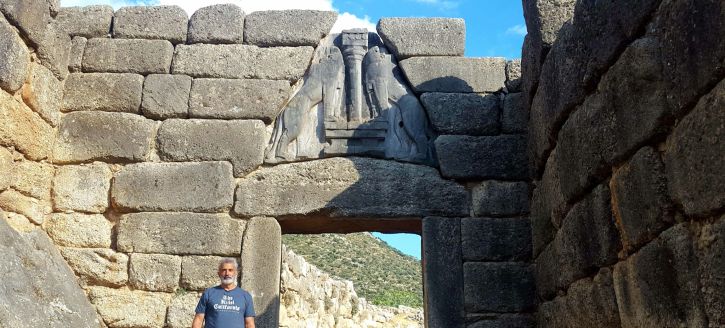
x: 380, y: 273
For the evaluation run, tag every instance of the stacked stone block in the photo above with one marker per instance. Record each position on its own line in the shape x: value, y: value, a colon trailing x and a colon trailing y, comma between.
x: 626, y: 150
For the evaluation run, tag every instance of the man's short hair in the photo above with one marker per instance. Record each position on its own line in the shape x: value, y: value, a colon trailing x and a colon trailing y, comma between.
x: 228, y: 260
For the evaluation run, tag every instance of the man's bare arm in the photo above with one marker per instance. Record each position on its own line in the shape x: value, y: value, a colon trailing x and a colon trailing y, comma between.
x: 198, y: 320
x: 249, y: 322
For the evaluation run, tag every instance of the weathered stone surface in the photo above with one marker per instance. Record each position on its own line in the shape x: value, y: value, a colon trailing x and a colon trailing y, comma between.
x: 166, y: 96
x: 234, y: 98
x: 514, y: 116
x: 593, y: 299
x: 103, y: 92
x: 33, y: 179
x: 123, y: 308
x: 151, y: 22
x: 82, y: 188
x: 23, y: 129
x: 500, y: 198
x: 694, y: 160
x: 335, y: 186
x: 79, y: 230
x: 190, y: 187
x: 14, y: 58
x: 221, y: 23
x: 513, y: 76
x: 88, y: 136
x: 75, y: 59
x: 38, y: 288
x: 455, y: 74
x: 97, y: 266
x: 181, y: 309
x: 87, y: 21
x: 498, y: 287
x: 54, y: 50
x: 236, y: 61
x: 491, y: 239
x: 154, y: 272
x: 33, y: 209
x: 260, y: 267
x: 441, y: 240
x: 658, y: 286
x: 640, y: 202
x: 273, y: 28
x: 199, y: 272
x: 127, y: 56
x: 180, y: 233
x: 462, y: 113
x: 240, y: 142
x: 495, y: 157
x: 43, y: 94
x: 551, y: 192
x: 587, y: 240
x: 502, y: 321
x: 408, y: 37
x: 7, y: 167
x: 544, y: 18
x: 30, y: 17
x: 711, y: 249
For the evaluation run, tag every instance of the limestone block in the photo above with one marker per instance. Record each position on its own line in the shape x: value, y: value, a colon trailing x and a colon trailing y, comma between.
x: 31, y: 17
x: 240, y: 142
x: 260, y: 267
x: 443, y: 267
x: 500, y: 198
x: 234, y: 98
x: 640, y: 202
x: 88, y: 136
x: 274, y: 28
x: 694, y: 159
x: 192, y: 187
x: 644, y: 284
x: 711, y: 246
x: 181, y: 309
x: 199, y: 272
x: 587, y: 240
x: 455, y: 74
x: 87, y: 21
x: 180, y: 233
x: 154, y: 272
x: 166, y: 96
x: 75, y: 60
x: 123, y: 308
x: 346, y: 187
x: 408, y: 37
x: 33, y: 179
x: 19, y: 222
x: 38, y: 288
x: 23, y: 129
x: 7, y: 167
x: 103, y: 92
x: 491, y: 239
x: 551, y: 191
x: 151, y: 22
x: 97, y: 266
x: 495, y: 157
x: 498, y: 287
x: 33, y: 209
x: 82, y: 188
x: 14, y: 58
x: 221, y: 23
x: 462, y: 113
x: 514, y: 116
x: 43, y: 94
x: 127, y: 56
x: 79, y: 230
x: 513, y: 75
x: 503, y: 321
x: 542, y: 229
x: 236, y: 61
x: 545, y: 17
x: 54, y: 50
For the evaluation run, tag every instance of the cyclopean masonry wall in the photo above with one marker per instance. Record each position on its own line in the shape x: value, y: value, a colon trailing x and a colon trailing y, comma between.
x: 146, y: 145
x: 626, y: 139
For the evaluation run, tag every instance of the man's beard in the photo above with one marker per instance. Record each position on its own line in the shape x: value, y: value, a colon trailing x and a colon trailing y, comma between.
x: 229, y: 280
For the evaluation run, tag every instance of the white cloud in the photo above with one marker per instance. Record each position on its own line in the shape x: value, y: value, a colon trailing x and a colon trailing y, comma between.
x: 517, y: 30
x: 347, y: 21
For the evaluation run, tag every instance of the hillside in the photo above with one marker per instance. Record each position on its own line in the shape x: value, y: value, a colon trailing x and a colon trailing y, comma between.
x: 380, y: 273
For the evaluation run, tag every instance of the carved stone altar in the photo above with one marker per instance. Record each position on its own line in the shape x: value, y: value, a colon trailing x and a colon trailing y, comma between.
x: 353, y: 101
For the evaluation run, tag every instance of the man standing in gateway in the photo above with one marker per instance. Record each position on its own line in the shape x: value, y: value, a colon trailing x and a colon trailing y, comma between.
x: 226, y: 305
